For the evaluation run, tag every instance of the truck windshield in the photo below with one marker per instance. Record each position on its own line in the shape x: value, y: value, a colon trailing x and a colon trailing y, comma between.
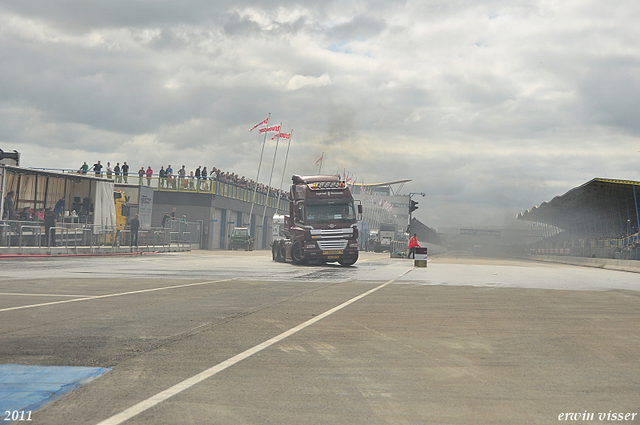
x: 325, y: 212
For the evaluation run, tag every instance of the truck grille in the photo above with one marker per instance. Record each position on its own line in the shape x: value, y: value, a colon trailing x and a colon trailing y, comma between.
x: 332, y: 232
x: 330, y: 244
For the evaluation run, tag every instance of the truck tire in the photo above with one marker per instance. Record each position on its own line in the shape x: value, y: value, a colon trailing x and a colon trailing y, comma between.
x: 276, y: 251
x: 296, y: 253
x: 282, y: 252
x: 348, y: 262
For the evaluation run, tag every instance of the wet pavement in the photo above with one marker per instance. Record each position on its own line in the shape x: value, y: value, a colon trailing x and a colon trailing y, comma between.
x: 473, y: 341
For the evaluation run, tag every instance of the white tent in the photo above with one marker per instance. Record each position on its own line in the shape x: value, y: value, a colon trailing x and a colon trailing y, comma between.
x: 105, y: 207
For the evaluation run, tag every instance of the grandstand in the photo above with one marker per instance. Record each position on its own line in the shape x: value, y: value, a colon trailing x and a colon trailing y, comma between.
x: 597, y: 219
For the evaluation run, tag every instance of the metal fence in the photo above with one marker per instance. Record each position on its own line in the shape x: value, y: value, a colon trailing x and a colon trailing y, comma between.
x: 73, y: 237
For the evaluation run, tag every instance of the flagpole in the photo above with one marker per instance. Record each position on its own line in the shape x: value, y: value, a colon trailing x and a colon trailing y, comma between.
x: 264, y: 213
x: 284, y: 170
x: 321, y: 161
x: 255, y: 189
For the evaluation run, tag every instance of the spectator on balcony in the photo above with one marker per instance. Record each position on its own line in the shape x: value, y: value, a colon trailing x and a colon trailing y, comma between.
x: 116, y: 170
x: 170, y: 180
x: 162, y: 174
x: 97, y: 168
x: 141, y: 175
x: 125, y: 172
x: 192, y: 181
x: 203, y: 179
x: 182, y: 174
x: 149, y: 175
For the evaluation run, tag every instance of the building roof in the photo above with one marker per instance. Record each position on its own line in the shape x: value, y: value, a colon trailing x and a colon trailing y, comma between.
x: 598, y: 208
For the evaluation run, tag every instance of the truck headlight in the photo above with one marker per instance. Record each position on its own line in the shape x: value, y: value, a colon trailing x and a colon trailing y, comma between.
x: 310, y: 246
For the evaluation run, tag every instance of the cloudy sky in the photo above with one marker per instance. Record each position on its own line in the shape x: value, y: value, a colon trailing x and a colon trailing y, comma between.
x: 490, y: 107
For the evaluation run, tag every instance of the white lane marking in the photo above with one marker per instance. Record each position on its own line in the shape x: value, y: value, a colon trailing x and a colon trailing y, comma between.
x: 190, y: 382
x: 97, y: 297
x: 20, y: 294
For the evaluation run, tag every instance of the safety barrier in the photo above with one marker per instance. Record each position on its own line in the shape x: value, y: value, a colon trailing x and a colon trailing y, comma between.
x: 24, y: 238
x: 5, y: 234
x: 38, y: 233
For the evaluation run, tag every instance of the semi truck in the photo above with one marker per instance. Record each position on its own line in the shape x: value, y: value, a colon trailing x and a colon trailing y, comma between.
x: 322, y: 223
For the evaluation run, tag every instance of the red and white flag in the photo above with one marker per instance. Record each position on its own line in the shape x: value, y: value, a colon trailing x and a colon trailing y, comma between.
x: 319, y: 161
x: 275, y: 128
x: 282, y: 136
x: 265, y: 122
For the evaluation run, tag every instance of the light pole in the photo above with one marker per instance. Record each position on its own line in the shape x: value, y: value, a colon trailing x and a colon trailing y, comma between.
x: 413, y: 205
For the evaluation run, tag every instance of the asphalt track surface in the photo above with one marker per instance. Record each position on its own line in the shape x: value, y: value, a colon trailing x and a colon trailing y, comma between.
x: 234, y: 338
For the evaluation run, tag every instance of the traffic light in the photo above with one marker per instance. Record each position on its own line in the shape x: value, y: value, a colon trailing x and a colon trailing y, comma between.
x: 413, y: 206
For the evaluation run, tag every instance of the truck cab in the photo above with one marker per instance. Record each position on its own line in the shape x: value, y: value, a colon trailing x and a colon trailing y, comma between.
x: 322, y: 223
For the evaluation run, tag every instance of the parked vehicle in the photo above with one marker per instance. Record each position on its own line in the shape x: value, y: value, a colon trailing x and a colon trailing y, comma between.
x: 240, y: 238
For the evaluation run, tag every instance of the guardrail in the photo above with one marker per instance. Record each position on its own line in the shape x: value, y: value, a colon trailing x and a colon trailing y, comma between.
x: 64, y: 231
x: 5, y: 234
x: 38, y: 233
x: 215, y: 187
x: 76, y: 238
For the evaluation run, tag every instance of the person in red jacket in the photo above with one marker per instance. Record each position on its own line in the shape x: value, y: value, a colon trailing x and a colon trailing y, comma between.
x: 413, y: 244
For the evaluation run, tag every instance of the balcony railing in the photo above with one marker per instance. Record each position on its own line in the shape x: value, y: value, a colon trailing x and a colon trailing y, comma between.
x: 198, y: 185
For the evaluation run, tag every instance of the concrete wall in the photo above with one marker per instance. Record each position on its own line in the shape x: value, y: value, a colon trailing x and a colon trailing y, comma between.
x: 601, y: 263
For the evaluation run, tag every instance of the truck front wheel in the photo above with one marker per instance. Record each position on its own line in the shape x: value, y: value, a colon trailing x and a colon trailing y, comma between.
x: 348, y: 262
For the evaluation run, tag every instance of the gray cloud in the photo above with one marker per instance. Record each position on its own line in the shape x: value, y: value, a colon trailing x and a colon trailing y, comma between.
x: 490, y: 107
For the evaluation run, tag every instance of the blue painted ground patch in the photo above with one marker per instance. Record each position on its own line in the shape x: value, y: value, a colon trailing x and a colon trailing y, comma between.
x: 24, y: 387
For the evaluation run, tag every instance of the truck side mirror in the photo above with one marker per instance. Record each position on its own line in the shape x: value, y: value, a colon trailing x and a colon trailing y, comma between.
x: 359, y: 208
